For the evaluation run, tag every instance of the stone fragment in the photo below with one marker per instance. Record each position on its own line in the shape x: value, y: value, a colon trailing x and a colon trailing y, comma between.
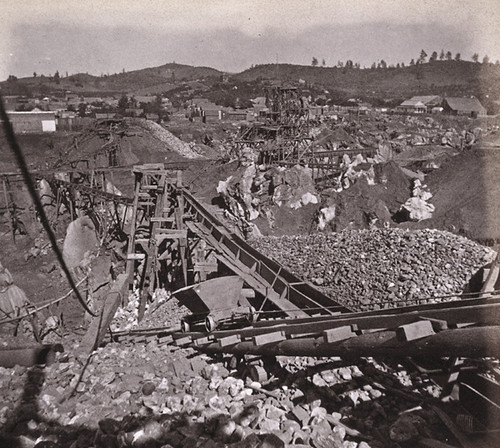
x: 301, y: 415
x: 269, y: 425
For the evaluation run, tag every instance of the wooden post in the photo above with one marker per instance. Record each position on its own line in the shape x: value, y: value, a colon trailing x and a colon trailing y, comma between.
x: 7, y: 207
x: 131, y: 240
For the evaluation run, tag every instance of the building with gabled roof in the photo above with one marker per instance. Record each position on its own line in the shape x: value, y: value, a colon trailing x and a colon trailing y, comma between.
x: 420, y: 104
x: 464, y: 106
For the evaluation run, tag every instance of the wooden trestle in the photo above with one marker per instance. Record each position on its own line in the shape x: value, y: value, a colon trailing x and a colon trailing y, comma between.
x: 157, y: 227
x: 163, y: 213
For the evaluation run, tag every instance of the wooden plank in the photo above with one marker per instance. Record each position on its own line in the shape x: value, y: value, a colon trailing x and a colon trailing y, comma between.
x: 437, y: 324
x: 202, y: 341
x: 165, y: 339
x: 415, y: 330
x: 162, y: 219
x: 136, y: 256
x: 170, y: 233
x: 269, y: 337
x: 186, y: 340
x: 100, y: 323
x: 450, y: 387
x: 229, y: 340
x: 492, y: 276
x: 338, y: 334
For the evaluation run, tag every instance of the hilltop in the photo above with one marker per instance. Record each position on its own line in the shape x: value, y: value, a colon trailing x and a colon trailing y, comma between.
x: 148, y: 80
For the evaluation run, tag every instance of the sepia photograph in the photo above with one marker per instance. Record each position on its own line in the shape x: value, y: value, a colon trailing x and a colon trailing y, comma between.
x: 250, y: 224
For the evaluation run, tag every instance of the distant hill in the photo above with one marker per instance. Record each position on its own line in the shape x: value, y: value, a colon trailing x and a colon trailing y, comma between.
x: 446, y: 78
x: 144, y: 81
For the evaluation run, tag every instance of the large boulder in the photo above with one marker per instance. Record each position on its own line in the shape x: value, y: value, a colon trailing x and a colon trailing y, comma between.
x: 80, y: 239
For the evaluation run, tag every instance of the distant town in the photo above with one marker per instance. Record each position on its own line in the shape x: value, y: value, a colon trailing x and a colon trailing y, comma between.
x: 73, y: 112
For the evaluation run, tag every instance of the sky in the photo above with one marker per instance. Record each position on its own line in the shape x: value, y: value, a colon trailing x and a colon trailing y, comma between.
x: 108, y: 36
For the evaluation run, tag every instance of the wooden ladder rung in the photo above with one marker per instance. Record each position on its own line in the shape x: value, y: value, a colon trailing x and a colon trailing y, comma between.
x: 171, y: 233
x: 136, y: 256
x: 162, y: 219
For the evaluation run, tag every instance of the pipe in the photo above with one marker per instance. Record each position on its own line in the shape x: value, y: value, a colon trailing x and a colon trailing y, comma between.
x: 464, y: 342
x: 29, y: 356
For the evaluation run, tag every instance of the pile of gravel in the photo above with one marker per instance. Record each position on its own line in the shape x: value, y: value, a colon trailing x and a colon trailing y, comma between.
x: 373, y: 269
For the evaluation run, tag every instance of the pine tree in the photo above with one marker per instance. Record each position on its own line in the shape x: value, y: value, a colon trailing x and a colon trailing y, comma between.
x: 422, y: 57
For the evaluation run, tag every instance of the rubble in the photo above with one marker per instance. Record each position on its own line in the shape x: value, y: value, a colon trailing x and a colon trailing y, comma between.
x: 253, y: 189
x: 417, y: 206
x: 144, y: 392
x: 127, y: 399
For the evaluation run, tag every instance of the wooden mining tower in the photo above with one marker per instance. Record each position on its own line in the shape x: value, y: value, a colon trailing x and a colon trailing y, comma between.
x: 281, y: 133
x: 281, y: 136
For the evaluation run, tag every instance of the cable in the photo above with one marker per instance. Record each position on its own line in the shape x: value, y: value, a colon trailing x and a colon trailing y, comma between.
x: 21, y: 163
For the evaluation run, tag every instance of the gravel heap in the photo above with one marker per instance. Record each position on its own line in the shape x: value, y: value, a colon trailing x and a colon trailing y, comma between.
x: 373, y: 269
x: 173, y: 143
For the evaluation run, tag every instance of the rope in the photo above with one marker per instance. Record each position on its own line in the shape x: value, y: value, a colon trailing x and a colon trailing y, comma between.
x: 21, y: 163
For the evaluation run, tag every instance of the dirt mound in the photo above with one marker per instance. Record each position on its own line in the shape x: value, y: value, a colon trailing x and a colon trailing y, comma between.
x: 335, y: 137
x: 363, y: 204
x: 127, y: 142
x: 465, y: 195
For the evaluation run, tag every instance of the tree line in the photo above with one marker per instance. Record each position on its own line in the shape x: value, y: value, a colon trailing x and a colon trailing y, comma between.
x: 423, y: 58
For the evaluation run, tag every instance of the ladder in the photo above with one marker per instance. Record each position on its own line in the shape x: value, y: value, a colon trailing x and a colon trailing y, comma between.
x: 157, y: 224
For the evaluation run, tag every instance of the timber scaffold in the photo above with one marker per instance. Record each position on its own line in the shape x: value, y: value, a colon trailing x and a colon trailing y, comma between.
x: 243, y: 302
x: 282, y: 314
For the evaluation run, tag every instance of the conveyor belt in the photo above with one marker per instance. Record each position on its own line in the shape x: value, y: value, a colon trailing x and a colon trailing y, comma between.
x: 278, y: 286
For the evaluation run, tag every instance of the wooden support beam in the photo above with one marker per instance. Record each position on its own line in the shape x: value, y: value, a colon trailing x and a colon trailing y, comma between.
x: 136, y: 256
x: 415, y: 330
x: 229, y: 340
x: 339, y: 334
x: 268, y: 338
x: 186, y: 340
